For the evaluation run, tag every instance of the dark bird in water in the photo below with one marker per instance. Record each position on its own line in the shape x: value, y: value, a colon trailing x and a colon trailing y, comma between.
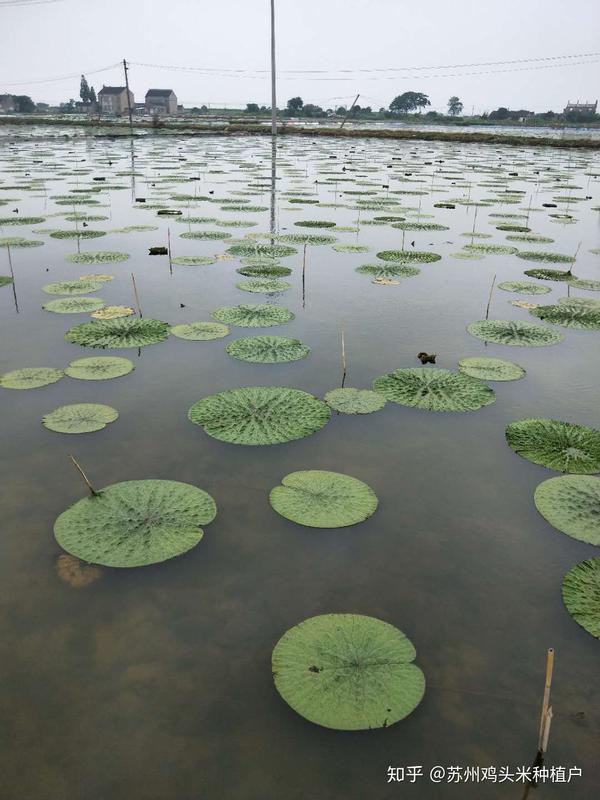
x: 85, y: 225
x: 15, y: 211
x: 427, y: 358
x: 412, y: 244
x: 181, y: 305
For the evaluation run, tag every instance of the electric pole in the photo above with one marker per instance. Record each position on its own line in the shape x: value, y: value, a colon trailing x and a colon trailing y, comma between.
x: 273, y: 74
x: 128, y: 97
x: 349, y: 111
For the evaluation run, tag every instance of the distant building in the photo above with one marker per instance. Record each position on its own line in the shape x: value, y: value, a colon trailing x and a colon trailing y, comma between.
x: 113, y: 100
x: 161, y: 101
x: 7, y: 103
x: 580, y: 108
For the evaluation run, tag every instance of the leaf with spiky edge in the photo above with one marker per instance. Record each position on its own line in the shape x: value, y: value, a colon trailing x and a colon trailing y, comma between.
x: 513, y: 333
x: 434, y: 389
x: 581, y: 594
x: 260, y: 415
x: 348, y: 672
x: 135, y: 523
x: 571, y: 504
x: 562, y: 446
x: 118, y: 333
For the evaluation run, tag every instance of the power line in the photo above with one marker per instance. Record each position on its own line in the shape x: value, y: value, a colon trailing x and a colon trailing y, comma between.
x: 62, y: 77
x: 8, y: 3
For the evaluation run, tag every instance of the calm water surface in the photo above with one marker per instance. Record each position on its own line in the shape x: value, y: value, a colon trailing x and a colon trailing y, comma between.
x: 155, y: 683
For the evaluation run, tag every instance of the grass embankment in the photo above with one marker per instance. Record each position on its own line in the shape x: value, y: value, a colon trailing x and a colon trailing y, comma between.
x: 110, y: 127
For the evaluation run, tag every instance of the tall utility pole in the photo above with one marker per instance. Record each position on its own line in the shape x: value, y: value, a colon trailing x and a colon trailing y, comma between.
x: 128, y: 97
x: 349, y: 111
x: 273, y: 74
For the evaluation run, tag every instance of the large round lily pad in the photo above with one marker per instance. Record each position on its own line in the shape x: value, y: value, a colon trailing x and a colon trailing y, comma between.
x: 267, y: 349
x: 99, y: 368
x: 321, y: 499
x: 253, y: 315
x: 434, y: 389
x: 581, y: 594
x: 348, y: 672
x: 557, y: 445
x: 513, y: 333
x: 135, y: 523
x: 99, y: 257
x: 524, y: 287
x: 260, y: 415
x: 80, y: 418
x: 570, y: 315
x: 408, y: 256
x: 79, y: 286
x: 30, y: 377
x: 491, y: 369
x: 355, y: 401
x: 200, y: 331
x: 74, y: 305
x: 118, y: 333
x: 571, y: 504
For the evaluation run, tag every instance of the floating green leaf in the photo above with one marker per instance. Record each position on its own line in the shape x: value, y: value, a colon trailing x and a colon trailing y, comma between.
x: 573, y: 315
x: 581, y: 594
x: 515, y: 334
x: 491, y: 249
x: 99, y: 368
x: 583, y: 283
x: 264, y: 285
x: 79, y: 286
x: 388, y: 270
x: 213, y: 235
x: 408, y: 257
x: 253, y: 249
x: 30, y: 377
x: 524, y: 287
x: 193, y: 261
x: 200, y: 331
x: 118, y: 333
x: 348, y: 672
x: 74, y: 305
x: 558, y: 445
x: 99, y: 257
x: 491, y: 369
x: 571, y: 504
x: 351, y: 248
x: 354, y: 401
x: 260, y: 415
x: 434, y: 389
x: 267, y: 349
x: 550, y: 274
x: 80, y: 418
x: 549, y: 258
x: 264, y: 271
x: 135, y: 523
x: 249, y: 315
x: 321, y: 499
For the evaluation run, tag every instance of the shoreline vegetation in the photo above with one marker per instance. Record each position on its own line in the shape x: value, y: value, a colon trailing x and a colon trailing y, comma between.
x: 237, y: 127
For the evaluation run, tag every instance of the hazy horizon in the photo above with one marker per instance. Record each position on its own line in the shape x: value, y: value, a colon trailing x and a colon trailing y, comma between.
x: 54, y: 38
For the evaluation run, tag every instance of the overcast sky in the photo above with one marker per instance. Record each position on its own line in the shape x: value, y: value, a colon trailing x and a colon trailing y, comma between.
x: 52, y: 38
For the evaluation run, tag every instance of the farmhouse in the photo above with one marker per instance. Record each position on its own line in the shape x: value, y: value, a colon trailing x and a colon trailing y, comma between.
x: 580, y: 108
x: 161, y: 101
x: 113, y: 100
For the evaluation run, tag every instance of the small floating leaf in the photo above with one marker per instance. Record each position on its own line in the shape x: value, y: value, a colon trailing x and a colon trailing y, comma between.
x: 30, y: 377
x: 200, y: 331
x: 355, y: 401
x: 267, y: 349
x: 515, y: 334
x: 524, y: 287
x: 491, y: 369
x: 80, y: 418
x: 571, y: 504
x: 557, y: 445
x: 253, y: 315
x: 74, y: 305
x: 118, y: 333
x: 434, y: 389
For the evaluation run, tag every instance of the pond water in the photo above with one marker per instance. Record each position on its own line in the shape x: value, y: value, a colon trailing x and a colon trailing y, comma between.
x: 155, y: 683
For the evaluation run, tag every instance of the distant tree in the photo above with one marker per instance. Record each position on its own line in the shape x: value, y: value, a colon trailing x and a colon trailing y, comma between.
x: 295, y: 104
x: 409, y: 101
x: 455, y: 107
x: 23, y: 104
x: 432, y: 114
x: 84, y: 90
x: 93, y: 98
x: 500, y: 113
x: 252, y: 108
x: 311, y: 110
x: 341, y: 110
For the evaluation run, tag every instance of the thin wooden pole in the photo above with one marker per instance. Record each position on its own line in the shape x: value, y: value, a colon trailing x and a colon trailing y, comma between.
x: 273, y: 74
x: 169, y: 249
x: 137, y: 299
x: 304, y: 277
x: 343, y: 356
x: 487, y: 310
x: 349, y: 111
x: 12, y: 273
x: 546, y: 699
x: 128, y: 98
x: 77, y: 466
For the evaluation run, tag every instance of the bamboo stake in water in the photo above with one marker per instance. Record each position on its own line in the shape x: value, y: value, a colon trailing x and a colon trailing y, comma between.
x: 137, y: 299
x: 574, y: 258
x: 546, y: 700
x: 343, y: 357
x: 12, y: 274
x: 487, y: 311
x: 169, y: 249
x: 304, y: 278
x: 77, y: 466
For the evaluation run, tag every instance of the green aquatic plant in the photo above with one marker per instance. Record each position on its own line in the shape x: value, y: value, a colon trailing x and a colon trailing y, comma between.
x: 80, y: 418
x: 570, y: 504
x: 78, y: 286
x: 573, y: 315
x: 253, y: 315
x: 193, y: 261
x: 74, y: 305
x: 99, y: 368
x: 260, y: 415
x: 264, y: 271
x: 514, y: 334
x: 200, y: 331
x: 5, y: 280
x: 583, y: 283
x: 86, y: 233
x: 548, y: 258
x: 315, y: 223
x: 491, y: 249
x: 18, y: 241
x: 135, y: 523
x: 212, y: 235
x: 307, y: 238
x: 524, y: 287
x: 99, y: 257
x: 550, y: 275
x: 267, y: 349
x: 530, y: 237
x: 17, y: 220
x: 112, y: 312
x: 389, y: 269
x: 321, y: 499
x: 491, y: 369
x: 351, y: 248
x: 118, y: 333
x: 255, y: 249
x: 347, y: 672
x: 264, y: 285
x: 557, y: 445
x: 420, y: 226
x: 354, y: 401
x: 30, y: 377
x: 408, y: 257
x: 434, y: 389
x: 581, y: 594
